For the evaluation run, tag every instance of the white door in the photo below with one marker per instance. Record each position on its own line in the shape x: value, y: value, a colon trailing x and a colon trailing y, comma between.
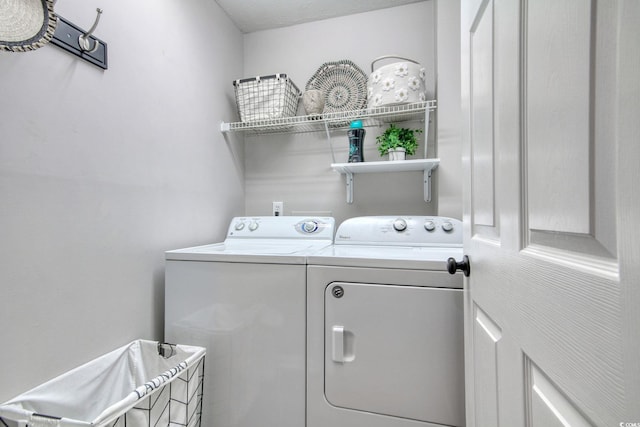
x: 551, y: 108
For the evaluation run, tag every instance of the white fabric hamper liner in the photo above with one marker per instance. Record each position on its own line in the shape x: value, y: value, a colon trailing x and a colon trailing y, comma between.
x: 143, y: 383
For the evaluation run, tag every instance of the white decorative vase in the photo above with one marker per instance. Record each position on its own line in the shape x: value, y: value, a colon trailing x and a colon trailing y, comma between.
x: 397, y: 154
x: 313, y: 101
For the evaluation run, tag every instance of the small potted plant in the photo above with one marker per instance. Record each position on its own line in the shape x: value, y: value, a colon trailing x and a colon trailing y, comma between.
x: 398, y: 142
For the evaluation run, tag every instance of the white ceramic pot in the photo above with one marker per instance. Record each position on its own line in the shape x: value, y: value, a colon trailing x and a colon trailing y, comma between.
x: 394, y: 84
x: 313, y: 101
x: 397, y: 154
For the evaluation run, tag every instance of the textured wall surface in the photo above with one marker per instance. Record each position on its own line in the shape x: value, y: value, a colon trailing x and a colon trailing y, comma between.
x: 102, y: 171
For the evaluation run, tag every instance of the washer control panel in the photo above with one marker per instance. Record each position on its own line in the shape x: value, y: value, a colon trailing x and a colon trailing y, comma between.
x: 281, y: 227
x: 400, y: 230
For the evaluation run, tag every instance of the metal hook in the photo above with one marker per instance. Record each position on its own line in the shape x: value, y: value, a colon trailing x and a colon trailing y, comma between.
x: 85, y: 42
x: 166, y: 350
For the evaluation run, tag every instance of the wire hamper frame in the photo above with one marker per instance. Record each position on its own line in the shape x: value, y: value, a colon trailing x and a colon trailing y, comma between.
x: 182, y: 398
x: 167, y: 381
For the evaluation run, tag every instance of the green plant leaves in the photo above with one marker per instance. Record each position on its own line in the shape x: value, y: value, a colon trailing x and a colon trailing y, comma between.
x: 395, y: 137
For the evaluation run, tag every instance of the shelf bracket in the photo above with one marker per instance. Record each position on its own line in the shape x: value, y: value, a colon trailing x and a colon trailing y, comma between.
x: 349, y: 179
x: 326, y: 129
x: 427, y: 185
x: 427, y: 117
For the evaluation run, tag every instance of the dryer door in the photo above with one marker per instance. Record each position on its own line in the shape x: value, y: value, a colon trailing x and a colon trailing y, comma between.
x: 395, y: 350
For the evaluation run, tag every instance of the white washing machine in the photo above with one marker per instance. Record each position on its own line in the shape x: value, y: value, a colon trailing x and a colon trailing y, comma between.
x: 244, y: 300
x: 385, y: 325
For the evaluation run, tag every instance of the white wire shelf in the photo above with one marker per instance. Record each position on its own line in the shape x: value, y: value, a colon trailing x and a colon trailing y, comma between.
x: 334, y: 121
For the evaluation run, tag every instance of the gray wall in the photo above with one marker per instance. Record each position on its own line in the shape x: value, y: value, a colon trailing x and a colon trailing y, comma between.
x: 296, y: 168
x: 102, y: 171
x: 448, y: 178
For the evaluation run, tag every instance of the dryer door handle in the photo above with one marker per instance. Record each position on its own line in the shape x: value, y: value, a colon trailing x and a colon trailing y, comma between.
x: 337, y: 339
x: 343, y: 344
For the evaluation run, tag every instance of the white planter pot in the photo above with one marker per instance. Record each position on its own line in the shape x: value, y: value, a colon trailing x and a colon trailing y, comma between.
x: 394, y: 84
x: 397, y: 154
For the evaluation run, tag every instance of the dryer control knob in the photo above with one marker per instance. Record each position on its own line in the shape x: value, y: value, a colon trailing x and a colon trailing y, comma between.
x: 309, y: 226
x: 239, y: 226
x: 447, y: 226
x: 429, y: 225
x: 399, y: 224
x: 253, y: 226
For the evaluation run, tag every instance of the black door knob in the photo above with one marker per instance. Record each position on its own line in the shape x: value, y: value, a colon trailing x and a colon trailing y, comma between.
x: 464, y: 266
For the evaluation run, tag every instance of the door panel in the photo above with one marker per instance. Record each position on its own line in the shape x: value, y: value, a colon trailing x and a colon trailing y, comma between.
x: 486, y: 337
x: 559, y: 286
x: 568, y: 128
x: 547, y: 405
x: 482, y: 119
x: 558, y: 83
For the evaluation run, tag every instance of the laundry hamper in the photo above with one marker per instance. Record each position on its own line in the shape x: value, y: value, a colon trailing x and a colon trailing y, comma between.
x: 266, y: 97
x: 142, y: 384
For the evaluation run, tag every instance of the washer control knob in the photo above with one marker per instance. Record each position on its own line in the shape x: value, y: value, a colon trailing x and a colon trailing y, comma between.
x: 429, y: 225
x: 447, y: 226
x: 309, y: 226
x: 239, y: 226
x: 253, y: 226
x: 399, y: 224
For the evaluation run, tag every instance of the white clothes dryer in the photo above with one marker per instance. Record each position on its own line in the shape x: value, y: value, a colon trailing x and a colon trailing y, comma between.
x: 385, y: 325
x: 244, y: 300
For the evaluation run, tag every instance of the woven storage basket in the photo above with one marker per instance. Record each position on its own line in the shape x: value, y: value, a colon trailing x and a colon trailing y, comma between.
x: 344, y: 86
x: 266, y: 97
x: 394, y: 84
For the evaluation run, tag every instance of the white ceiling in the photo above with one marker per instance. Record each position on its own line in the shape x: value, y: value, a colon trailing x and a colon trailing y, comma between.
x: 256, y: 15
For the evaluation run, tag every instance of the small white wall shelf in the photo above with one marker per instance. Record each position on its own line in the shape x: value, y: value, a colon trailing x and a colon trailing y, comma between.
x: 426, y: 165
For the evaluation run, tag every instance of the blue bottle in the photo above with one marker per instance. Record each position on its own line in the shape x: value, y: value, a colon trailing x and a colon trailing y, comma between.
x: 356, y: 139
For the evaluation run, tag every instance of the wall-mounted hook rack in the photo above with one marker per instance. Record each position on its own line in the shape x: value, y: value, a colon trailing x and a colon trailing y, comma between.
x: 85, y: 40
x: 81, y: 43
